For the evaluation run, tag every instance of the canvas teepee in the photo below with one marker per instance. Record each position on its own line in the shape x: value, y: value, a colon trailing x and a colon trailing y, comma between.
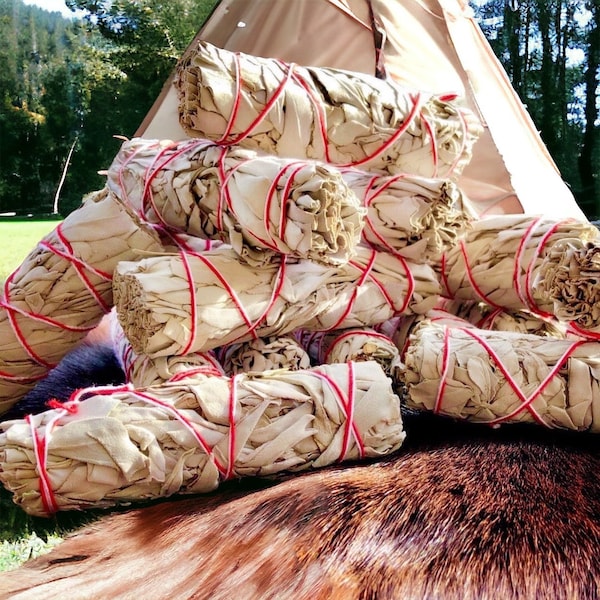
x: 433, y: 45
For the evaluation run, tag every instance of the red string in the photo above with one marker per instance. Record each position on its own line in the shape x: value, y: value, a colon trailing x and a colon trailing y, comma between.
x: 471, y: 277
x: 40, y: 451
x: 284, y: 193
x: 232, y: 424
x: 281, y: 273
x: 365, y: 272
x: 80, y: 266
x: 189, y: 425
x: 173, y: 151
x: 487, y: 322
x: 410, y: 287
x: 225, y: 471
x: 347, y: 403
x: 290, y: 73
x: 370, y: 196
x: 228, y: 288
x: 12, y: 310
x: 444, y: 277
x: 205, y: 370
x: 224, y: 196
x: 319, y: 112
x: 538, y: 252
x: 121, y: 177
x: 193, y: 308
x: 575, y: 329
x: 289, y: 67
x: 70, y: 407
x: 280, y: 278
x: 518, y: 257
x: 128, y: 359
x: 434, y: 150
x: 522, y: 289
x: 449, y: 97
x: 526, y: 402
x: 285, y: 198
x: 444, y: 374
x: 394, y: 138
x: 236, y: 99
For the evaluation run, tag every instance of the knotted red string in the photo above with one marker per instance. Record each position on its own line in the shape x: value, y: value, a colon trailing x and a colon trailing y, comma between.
x: 40, y: 451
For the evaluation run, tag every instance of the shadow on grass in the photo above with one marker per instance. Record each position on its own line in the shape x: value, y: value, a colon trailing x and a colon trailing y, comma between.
x: 16, y: 524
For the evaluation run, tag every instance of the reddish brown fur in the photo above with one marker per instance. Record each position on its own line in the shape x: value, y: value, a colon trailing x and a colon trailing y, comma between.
x: 470, y: 514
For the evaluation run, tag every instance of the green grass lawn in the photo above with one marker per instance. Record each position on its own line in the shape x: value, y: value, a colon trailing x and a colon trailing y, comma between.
x: 22, y: 536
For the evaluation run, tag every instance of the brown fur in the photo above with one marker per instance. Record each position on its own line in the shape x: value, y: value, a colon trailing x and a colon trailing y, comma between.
x: 459, y: 513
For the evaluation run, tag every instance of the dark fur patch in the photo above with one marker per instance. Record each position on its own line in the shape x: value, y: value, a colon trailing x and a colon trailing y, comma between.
x: 86, y: 366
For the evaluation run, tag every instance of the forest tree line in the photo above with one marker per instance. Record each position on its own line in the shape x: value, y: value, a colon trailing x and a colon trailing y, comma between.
x: 68, y: 85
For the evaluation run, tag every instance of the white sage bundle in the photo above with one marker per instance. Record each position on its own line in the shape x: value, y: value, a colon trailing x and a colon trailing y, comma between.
x: 261, y: 205
x: 183, y: 303
x: 263, y: 354
x: 484, y: 316
x: 570, y: 281
x: 418, y: 218
x: 502, y: 261
x: 63, y: 288
x: 142, y: 371
x: 340, y: 117
x: 119, y: 445
x: 501, y: 377
x: 356, y: 345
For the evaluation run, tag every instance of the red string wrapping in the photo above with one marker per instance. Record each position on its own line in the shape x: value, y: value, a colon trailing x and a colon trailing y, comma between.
x: 291, y: 75
x: 80, y: 267
x: 288, y: 69
x: 523, y: 287
x: 346, y: 402
x: 40, y: 452
x: 526, y: 401
x: 224, y: 470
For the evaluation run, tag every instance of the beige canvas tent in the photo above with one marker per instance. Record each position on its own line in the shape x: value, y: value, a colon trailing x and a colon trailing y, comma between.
x: 433, y: 45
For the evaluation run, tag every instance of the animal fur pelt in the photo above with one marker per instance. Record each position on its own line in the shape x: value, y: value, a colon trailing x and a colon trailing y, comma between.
x: 461, y: 512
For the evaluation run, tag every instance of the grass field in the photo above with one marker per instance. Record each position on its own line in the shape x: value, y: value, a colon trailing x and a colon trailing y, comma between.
x: 21, y: 536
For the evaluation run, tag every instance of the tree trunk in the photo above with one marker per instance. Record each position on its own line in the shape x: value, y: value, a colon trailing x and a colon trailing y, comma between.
x: 548, y: 79
x: 587, y: 169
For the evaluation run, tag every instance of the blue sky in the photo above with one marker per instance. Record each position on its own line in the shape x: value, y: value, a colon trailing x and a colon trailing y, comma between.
x: 52, y: 6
